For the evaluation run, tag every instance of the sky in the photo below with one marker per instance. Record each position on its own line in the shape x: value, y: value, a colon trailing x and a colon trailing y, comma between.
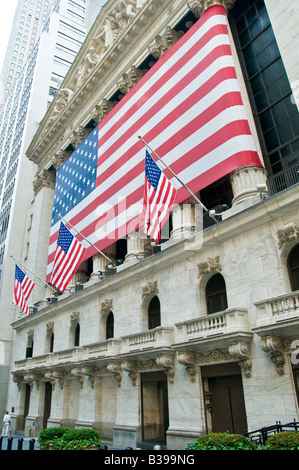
x: 8, y: 8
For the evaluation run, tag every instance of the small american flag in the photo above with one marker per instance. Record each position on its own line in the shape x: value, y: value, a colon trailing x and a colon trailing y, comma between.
x: 23, y: 286
x: 68, y: 255
x: 159, y: 195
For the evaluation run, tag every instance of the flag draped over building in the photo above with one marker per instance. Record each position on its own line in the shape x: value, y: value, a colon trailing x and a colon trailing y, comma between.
x: 188, y: 107
x: 68, y: 255
x: 159, y: 196
x: 23, y: 286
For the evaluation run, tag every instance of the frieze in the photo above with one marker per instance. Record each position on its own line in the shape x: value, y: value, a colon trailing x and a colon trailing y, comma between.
x: 112, y: 34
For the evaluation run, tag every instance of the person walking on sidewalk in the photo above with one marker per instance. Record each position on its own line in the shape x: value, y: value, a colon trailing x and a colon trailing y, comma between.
x: 5, y: 424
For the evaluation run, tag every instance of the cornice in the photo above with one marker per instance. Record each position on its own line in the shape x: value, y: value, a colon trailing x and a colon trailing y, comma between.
x: 58, y: 123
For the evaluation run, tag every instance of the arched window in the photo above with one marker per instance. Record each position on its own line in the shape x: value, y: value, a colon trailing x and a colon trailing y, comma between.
x: 110, y: 326
x: 77, y: 335
x: 216, y: 294
x: 51, y: 342
x: 293, y: 267
x: 29, y: 349
x: 154, y: 315
x: 29, y: 345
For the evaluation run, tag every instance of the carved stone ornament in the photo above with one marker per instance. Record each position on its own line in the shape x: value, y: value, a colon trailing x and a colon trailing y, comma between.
x: 241, y: 352
x: 115, y: 369
x: 287, y: 234
x: 32, y: 378
x: 189, y: 360
x: 30, y: 333
x: 198, y: 7
x: 77, y: 372
x: 18, y: 379
x: 166, y: 361
x: 59, y: 158
x: 75, y: 316
x: 130, y: 367
x: 50, y: 326
x: 164, y: 42
x: 78, y: 136
x: 106, y: 306
x: 210, y: 265
x: 101, y: 110
x: 151, y: 288
x: 52, y: 375
x: 44, y: 178
x: 130, y: 79
x: 214, y: 355
x: 90, y: 373
x: 273, y: 345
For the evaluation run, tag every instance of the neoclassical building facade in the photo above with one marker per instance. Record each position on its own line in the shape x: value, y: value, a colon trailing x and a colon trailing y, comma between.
x: 200, y: 333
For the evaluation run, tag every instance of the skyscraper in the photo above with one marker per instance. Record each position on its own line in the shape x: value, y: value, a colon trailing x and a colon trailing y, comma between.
x: 26, y: 28
x: 63, y: 25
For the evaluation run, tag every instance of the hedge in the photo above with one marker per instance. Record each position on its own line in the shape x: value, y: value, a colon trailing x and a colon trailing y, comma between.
x: 222, y: 441
x: 62, y: 438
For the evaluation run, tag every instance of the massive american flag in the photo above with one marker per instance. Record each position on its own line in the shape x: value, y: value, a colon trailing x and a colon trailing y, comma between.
x: 188, y: 108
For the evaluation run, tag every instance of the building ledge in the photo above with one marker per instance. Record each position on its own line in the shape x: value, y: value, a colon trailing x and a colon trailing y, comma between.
x: 217, y: 330
x: 278, y: 315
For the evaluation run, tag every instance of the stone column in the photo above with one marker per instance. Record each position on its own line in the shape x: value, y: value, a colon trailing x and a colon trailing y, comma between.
x: 80, y: 275
x: 127, y: 419
x: 244, y: 180
x: 34, y: 419
x: 99, y: 261
x: 57, y: 382
x: 37, y: 259
x: 183, y: 221
x: 135, y: 249
x: 187, y: 383
x: 86, y: 412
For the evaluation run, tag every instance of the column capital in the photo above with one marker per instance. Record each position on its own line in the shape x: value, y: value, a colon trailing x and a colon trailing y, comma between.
x: 198, y: 7
x: 44, y: 178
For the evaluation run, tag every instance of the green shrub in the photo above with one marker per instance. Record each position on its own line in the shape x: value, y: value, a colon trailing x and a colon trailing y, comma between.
x: 288, y: 440
x: 222, y: 441
x: 51, y: 433
x: 60, y: 438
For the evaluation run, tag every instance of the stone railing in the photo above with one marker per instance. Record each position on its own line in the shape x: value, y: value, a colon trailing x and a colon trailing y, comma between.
x: 76, y: 355
x: 227, y: 322
x: 278, y: 309
x: 151, y: 339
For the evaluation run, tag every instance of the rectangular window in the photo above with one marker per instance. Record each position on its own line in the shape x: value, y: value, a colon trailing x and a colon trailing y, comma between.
x: 277, y: 117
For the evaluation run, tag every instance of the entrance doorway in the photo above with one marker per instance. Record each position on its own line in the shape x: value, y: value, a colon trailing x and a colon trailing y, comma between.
x: 154, y: 406
x: 47, y: 404
x: 226, y: 399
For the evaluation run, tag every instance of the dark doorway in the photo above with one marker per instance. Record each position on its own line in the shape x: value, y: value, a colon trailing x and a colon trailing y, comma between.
x: 154, y: 406
x: 226, y: 409
x: 227, y: 400
x: 47, y: 405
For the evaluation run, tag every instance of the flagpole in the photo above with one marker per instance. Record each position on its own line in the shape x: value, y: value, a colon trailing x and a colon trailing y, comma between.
x: 99, y: 251
x: 27, y: 269
x: 179, y: 180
